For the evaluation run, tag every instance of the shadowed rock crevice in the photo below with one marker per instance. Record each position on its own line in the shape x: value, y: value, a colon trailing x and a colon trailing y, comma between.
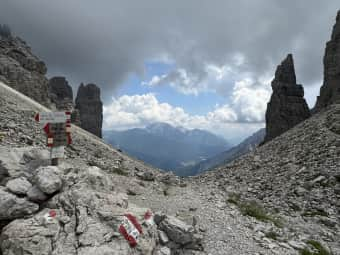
x: 287, y: 106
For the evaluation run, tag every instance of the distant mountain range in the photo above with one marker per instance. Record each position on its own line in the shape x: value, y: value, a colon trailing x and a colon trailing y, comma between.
x: 226, y: 156
x: 167, y: 147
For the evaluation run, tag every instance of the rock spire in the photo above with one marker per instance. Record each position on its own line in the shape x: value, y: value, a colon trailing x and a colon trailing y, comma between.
x: 90, y: 107
x: 287, y: 106
x: 330, y: 90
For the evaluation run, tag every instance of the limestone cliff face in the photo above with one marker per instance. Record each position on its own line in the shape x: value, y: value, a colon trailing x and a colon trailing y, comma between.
x: 287, y: 106
x: 330, y: 90
x: 90, y: 108
x: 22, y: 70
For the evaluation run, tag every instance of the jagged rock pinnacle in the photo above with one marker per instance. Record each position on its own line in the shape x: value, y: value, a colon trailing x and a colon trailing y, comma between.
x: 90, y: 107
x: 285, y: 72
x: 330, y: 90
x: 287, y: 107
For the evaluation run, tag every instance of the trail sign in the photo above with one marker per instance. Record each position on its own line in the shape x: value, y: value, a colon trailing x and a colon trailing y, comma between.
x: 52, y: 117
x: 57, y: 126
x: 58, y: 132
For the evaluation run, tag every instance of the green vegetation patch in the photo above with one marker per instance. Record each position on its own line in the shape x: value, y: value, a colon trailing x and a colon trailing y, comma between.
x: 319, y: 249
x: 234, y: 198
x: 257, y: 211
x: 272, y: 235
x: 119, y: 171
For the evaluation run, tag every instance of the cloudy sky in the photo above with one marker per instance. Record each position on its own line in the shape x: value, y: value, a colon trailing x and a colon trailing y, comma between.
x: 198, y: 64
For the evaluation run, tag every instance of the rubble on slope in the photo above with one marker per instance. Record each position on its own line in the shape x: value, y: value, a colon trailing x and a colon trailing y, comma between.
x: 294, y: 178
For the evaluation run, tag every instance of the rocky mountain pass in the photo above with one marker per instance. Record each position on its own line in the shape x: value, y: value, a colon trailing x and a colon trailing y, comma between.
x: 282, y: 197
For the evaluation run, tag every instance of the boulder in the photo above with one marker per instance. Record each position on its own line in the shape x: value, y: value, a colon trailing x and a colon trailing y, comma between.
x: 12, y: 207
x: 330, y: 90
x: 287, y: 106
x: 36, y: 195
x: 164, y: 251
x: 47, y: 179
x: 177, y: 230
x: 16, y: 162
x: 146, y: 176
x: 19, y: 186
x: 90, y: 108
x: 98, y: 179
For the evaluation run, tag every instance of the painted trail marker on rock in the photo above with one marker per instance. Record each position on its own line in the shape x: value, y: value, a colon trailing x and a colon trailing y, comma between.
x: 57, y: 126
x: 130, y: 229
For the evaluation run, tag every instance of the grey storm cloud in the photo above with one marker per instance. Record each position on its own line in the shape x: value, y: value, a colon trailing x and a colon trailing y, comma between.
x: 105, y: 41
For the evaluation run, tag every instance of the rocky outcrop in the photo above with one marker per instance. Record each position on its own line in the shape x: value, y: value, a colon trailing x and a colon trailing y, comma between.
x: 22, y: 70
x: 287, y: 106
x: 330, y: 90
x: 60, y: 92
x: 81, y: 214
x: 90, y: 108
x: 61, y: 95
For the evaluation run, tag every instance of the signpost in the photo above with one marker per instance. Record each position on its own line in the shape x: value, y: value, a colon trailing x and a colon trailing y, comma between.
x: 57, y: 126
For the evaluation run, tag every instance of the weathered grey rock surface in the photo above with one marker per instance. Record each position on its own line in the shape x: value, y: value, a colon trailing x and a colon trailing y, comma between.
x: 19, y: 186
x: 61, y: 92
x: 88, y: 193
x: 61, y: 95
x: 12, y: 207
x: 330, y: 90
x: 287, y: 106
x: 47, y: 179
x: 22, y: 70
x: 90, y: 108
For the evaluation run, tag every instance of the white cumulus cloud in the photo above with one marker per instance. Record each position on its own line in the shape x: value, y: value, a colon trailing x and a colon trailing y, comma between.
x: 140, y: 110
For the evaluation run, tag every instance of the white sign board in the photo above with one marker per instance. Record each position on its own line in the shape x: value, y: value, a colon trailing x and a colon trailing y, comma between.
x: 57, y: 152
x: 53, y: 117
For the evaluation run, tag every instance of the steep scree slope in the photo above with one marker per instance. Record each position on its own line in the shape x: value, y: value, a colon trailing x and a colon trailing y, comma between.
x: 296, y: 176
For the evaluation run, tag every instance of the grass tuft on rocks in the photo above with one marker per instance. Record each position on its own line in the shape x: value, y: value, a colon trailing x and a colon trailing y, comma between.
x: 255, y: 210
x: 119, y: 171
x: 234, y: 198
x: 319, y: 249
x: 272, y: 235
